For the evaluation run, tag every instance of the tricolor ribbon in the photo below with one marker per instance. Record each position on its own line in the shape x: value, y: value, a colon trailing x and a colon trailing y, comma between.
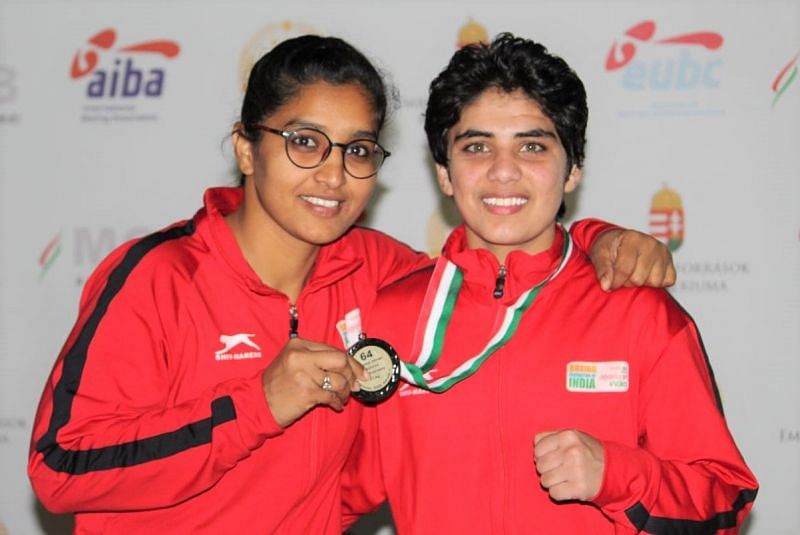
x: 437, y: 310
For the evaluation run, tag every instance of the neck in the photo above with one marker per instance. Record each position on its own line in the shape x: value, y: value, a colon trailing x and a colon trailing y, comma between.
x: 542, y: 242
x: 280, y: 260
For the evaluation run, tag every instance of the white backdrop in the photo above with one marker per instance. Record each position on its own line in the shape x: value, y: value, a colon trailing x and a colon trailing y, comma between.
x: 698, y: 98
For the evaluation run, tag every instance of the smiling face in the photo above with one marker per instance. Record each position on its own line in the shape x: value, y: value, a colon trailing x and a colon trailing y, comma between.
x: 507, y: 172
x: 307, y: 206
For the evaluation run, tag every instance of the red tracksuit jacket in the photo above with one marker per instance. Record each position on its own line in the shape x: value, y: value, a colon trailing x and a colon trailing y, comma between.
x: 154, y: 418
x: 462, y: 461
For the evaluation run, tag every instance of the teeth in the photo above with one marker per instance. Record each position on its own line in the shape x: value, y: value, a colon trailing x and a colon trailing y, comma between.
x: 319, y: 201
x: 505, y: 201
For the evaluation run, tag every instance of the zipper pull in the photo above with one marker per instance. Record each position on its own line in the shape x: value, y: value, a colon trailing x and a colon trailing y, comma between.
x: 500, y: 284
x: 294, y: 321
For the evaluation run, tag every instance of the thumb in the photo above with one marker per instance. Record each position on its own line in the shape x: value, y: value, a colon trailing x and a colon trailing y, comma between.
x: 605, y: 272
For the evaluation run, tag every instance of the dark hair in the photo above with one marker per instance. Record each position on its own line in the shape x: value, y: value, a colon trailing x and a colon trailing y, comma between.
x: 509, y: 63
x: 304, y: 60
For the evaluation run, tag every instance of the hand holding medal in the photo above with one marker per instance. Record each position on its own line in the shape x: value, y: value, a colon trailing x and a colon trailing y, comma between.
x: 306, y: 374
x: 381, y: 362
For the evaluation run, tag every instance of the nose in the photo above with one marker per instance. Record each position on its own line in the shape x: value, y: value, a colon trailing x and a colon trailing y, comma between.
x: 331, y: 171
x: 504, y: 168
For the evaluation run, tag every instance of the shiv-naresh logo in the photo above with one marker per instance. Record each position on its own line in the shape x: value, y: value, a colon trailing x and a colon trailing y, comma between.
x: 786, y: 76
x: 120, y: 76
x: 684, y: 72
x: 238, y: 346
x: 667, y: 218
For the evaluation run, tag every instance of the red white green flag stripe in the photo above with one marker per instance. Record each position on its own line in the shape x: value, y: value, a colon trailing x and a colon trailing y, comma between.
x: 437, y: 310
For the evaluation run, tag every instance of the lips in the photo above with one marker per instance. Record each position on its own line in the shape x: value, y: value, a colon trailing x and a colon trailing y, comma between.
x: 321, y: 201
x: 504, y: 202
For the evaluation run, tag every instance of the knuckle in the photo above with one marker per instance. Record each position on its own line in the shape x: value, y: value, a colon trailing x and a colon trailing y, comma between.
x: 638, y: 277
x: 300, y: 377
x: 570, y: 436
x: 573, y: 454
x: 291, y: 357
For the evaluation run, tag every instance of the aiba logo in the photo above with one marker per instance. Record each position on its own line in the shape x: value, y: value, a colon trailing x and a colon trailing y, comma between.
x: 118, y: 78
x: 667, y: 218
x: 123, y: 78
x: 786, y: 76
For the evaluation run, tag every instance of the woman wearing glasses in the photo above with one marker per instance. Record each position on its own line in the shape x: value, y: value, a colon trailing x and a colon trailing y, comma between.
x: 204, y: 387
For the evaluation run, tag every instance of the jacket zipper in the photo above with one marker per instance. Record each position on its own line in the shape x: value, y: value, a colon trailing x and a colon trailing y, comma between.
x: 500, y: 283
x: 313, y: 452
x: 294, y: 321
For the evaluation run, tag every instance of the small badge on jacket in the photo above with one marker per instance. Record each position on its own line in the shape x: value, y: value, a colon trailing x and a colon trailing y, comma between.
x: 612, y: 376
x: 350, y: 327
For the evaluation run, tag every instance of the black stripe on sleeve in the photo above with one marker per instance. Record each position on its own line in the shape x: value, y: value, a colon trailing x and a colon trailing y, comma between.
x: 714, y: 387
x: 138, y: 451
x: 641, y: 519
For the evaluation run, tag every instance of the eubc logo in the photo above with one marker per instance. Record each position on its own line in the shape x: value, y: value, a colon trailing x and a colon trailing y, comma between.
x: 124, y: 78
x: 686, y: 71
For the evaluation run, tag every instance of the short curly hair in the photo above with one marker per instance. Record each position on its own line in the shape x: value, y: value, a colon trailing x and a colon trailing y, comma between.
x: 509, y: 63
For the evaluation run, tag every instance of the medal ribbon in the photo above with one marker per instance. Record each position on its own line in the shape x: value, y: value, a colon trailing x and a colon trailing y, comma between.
x: 438, y: 307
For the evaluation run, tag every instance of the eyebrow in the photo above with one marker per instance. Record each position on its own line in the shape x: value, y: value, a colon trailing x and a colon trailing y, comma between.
x: 299, y: 123
x: 536, y: 132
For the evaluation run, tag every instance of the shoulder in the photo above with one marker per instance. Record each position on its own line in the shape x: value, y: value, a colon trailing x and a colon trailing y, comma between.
x: 165, y: 252
x: 634, y: 309
x: 172, y: 249
x: 385, y: 258
x: 405, y: 293
x: 371, y: 240
x: 397, y: 308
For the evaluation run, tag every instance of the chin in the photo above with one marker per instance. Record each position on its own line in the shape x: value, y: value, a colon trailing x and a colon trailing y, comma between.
x: 323, y: 238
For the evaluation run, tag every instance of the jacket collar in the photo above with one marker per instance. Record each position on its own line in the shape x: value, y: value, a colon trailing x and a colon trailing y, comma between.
x: 481, y: 268
x: 335, y: 260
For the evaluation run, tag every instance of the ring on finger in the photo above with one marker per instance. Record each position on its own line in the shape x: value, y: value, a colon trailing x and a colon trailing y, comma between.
x: 326, y: 383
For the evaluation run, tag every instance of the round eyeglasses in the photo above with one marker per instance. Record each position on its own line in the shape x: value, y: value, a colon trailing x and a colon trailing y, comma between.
x: 308, y: 148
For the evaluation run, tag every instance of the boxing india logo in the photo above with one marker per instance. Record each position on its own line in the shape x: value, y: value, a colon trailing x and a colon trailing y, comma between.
x: 126, y: 80
x: 667, y: 218
x: 786, y: 76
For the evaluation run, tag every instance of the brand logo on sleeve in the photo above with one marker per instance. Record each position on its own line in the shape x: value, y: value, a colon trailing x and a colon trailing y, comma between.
x: 612, y: 376
x: 238, y: 347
